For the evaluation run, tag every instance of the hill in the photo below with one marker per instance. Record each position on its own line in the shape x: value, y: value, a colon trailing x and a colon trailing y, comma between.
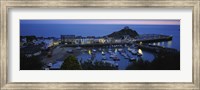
x: 126, y: 31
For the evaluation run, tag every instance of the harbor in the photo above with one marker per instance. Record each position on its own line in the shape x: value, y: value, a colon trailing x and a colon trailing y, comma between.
x: 120, y: 57
x: 121, y: 50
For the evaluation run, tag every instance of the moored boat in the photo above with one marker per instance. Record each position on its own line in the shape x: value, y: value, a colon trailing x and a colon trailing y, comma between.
x: 132, y: 59
x: 115, y: 58
x: 134, y: 52
x: 104, y: 58
x: 94, y: 50
x: 78, y: 48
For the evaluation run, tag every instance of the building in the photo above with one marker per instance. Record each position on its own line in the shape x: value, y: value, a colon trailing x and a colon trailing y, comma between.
x: 48, y: 43
x: 102, y: 40
x: 22, y: 41
x: 78, y: 40
x: 68, y: 39
x: 56, y: 42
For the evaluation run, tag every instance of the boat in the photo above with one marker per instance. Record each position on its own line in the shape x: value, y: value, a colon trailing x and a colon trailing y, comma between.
x: 104, y: 58
x: 134, y: 52
x: 84, y: 50
x: 70, y: 51
x: 112, y: 55
x: 102, y: 53
x: 49, y: 64
x: 115, y: 58
x: 129, y: 49
x: 110, y: 52
x: 132, y: 59
x: 94, y: 50
x: 126, y: 57
x: 116, y: 64
x: 78, y: 48
x: 120, y: 49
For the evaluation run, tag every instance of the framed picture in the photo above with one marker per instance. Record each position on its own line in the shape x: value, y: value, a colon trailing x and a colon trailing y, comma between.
x: 63, y: 44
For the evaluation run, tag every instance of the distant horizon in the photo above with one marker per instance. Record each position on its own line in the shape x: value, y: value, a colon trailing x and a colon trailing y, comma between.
x: 43, y: 28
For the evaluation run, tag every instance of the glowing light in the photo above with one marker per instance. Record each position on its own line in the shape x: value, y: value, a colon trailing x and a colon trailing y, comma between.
x: 140, y: 43
x: 140, y: 51
x: 102, y: 40
x: 169, y: 43
x: 158, y: 44
x: 89, y: 52
x: 102, y: 52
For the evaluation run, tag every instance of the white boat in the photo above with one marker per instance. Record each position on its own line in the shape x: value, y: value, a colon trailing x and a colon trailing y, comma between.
x: 111, y: 62
x: 134, y: 51
x: 112, y: 55
x: 49, y: 64
x: 120, y: 49
x: 132, y: 59
x: 104, y: 58
x: 129, y: 49
x: 126, y: 57
x: 110, y: 52
x: 94, y: 50
x: 78, y: 48
x: 116, y: 64
x: 102, y: 53
x: 84, y: 50
x: 70, y: 51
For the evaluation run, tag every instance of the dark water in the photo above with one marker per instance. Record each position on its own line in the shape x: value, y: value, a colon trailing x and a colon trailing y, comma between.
x: 122, y: 63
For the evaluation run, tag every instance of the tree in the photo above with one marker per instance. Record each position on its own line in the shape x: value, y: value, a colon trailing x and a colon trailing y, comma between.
x: 71, y: 63
x: 30, y: 38
x: 163, y: 61
x: 31, y: 63
x: 97, y: 65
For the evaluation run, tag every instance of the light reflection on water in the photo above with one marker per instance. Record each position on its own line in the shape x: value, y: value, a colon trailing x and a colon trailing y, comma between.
x: 167, y: 44
x: 122, y: 63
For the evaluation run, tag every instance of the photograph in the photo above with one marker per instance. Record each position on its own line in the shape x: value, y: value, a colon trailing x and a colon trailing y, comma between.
x: 99, y: 44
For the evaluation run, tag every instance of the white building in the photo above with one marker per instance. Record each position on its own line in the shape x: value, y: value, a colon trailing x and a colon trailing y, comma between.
x: 48, y: 43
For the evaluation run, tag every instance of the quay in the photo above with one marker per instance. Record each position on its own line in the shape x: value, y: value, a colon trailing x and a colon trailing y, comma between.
x: 149, y: 38
x: 96, y: 45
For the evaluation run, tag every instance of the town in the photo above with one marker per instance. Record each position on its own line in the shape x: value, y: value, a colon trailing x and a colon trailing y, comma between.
x: 52, y: 51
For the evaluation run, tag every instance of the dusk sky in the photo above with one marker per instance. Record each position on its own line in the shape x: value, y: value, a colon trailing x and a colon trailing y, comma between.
x: 85, y: 27
x: 135, y: 22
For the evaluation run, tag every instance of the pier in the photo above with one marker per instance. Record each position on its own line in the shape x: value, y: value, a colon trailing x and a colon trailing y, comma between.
x: 149, y: 38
